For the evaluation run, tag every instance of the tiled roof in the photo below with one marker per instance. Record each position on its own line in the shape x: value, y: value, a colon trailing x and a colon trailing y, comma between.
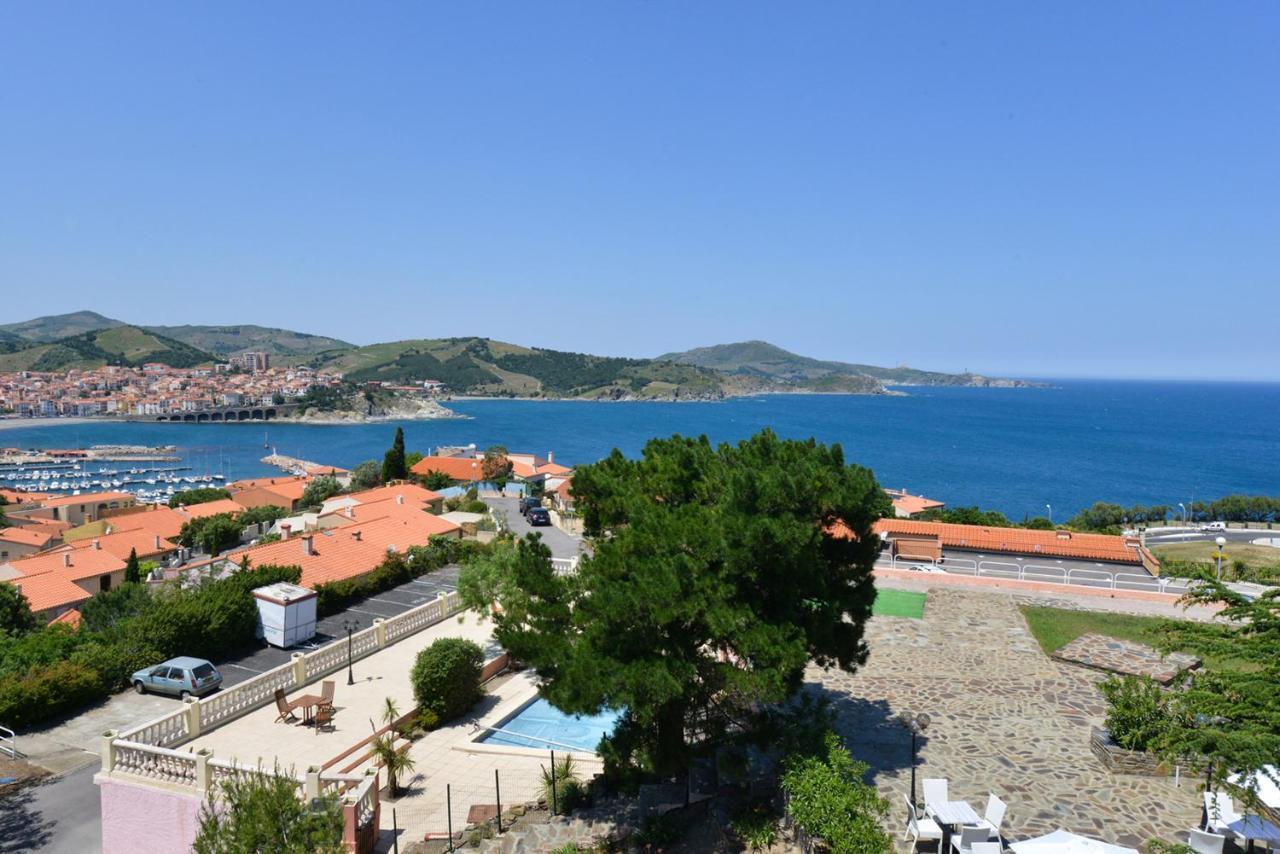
x: 349, y: 551
x: 68, y: 618
x: 1068, y: 544
x: 210, y: 508
x: 911, y: 504
x: 70, y: 562
x: 458, y: 468
x: 161, y: 520
x: 33, y: 537
x: 88, y: 498
x: 48, y: 590
x: 254, y: 483
x: 146, y: 543
x: 410, y: 491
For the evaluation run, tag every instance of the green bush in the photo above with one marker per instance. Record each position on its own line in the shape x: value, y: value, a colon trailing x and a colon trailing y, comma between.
x: 47, y: 692
x: 475, y: 507
x: 115, y: 662
x: 200, y: 495
x: 757, y: 827
x: 446, y: 677
x: 826, y: 797
x: 568, y: 789
x: 1139, y: 712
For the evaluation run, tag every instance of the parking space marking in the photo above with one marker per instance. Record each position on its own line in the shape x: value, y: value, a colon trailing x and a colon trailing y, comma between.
x: 241, y: 666
x: 370, y: 613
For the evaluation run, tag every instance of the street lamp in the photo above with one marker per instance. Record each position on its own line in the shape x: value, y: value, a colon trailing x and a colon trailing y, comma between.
x: 350, y: 626
x: 1049, y: 507
x: 916, y: 724
x: 1184, y: 513
x: 1221, y: 541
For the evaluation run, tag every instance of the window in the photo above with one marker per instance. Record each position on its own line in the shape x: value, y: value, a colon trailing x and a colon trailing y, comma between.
x: 104, y: 582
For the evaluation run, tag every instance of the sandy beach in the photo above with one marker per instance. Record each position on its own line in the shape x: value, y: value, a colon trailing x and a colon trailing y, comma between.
x: 15, y: 423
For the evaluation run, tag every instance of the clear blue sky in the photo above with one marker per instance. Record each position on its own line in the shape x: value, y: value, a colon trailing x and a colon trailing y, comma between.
x: 1075, y: 189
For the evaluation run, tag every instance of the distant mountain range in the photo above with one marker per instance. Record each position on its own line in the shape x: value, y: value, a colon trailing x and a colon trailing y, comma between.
x: 767, y: 361
x: 470, y: 366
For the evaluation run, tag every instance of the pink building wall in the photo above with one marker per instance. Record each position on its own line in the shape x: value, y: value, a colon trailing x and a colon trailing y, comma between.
x: 146, y: 819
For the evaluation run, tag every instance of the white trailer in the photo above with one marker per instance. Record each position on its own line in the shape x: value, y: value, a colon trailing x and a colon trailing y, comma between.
x: 286, y: 614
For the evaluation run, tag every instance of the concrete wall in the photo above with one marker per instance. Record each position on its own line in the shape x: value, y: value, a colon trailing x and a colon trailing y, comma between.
x: 146, y: 817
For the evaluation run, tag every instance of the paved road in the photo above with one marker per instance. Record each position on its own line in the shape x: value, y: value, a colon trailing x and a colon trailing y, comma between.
x: 561, y: 544
x: 63, y: 814
x: 1159, y: 536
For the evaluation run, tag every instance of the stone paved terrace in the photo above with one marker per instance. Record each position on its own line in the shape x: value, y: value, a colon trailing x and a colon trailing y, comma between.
x: 1126, y: 657
x: 1006, y: 718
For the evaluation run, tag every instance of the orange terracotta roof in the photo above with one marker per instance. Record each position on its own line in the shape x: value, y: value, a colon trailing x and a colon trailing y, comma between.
x: 255, y: 483
x: 349, y: 551
x: 88, y: 498
x: 210, y: 508
x: 458, y: 468
x: 411, y: 492
x: 391, y: 508
x: 32, y: 537
x: 1068, y: 544
x: 146, y: 543
x: 911, y: 504
x: 70, y: 618
x: 49, y: 590
x: 161, y: 520
x: 14, y: 497
x: 70, y: 562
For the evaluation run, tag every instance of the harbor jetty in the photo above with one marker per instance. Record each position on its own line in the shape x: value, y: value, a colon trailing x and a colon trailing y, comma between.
x: 305, y: 468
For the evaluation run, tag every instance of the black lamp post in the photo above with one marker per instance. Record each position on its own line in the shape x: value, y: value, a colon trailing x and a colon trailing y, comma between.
x: 350, y: 626
x: 916, y: 724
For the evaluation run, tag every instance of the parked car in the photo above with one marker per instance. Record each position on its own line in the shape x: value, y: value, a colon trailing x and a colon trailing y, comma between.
x: 538, y: 516
x: 1214, y: 526
x: 179, y: 677
x: 925, y: 567
x: 527, y: 504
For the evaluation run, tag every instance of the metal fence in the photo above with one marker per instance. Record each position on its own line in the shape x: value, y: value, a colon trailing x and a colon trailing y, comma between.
x: 1023, y: 571
x: 464, y: 810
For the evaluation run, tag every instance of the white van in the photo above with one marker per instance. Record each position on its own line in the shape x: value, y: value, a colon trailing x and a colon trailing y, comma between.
x: 1214, y: 526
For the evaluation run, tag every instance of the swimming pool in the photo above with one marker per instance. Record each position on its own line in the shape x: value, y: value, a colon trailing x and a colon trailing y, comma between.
x: 542, y: 726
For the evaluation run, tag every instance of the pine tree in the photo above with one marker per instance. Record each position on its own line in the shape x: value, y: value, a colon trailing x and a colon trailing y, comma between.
x: 132, y: 572
x: 393, y: 465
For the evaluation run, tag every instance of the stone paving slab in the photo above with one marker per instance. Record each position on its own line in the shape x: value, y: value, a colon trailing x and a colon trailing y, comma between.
x: 1127, y: 658
x: 1006, y: 718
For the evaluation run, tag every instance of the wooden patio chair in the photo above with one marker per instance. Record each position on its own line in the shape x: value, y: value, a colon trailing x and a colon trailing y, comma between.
x: 284, y: 707
x: 323, y: 717
x: 326, y: 693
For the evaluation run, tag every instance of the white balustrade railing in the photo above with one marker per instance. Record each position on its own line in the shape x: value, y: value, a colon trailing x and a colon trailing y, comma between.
x: 1079, y: 576
x: 326, y: 659
x: 245, y: 696
x: 155, y: 763
x: 162, y: 732
x: 366, y: 800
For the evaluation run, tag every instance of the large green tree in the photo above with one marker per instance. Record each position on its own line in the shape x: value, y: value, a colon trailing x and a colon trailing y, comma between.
x: 393, y: 463
x: 132, y: 569
x: 496, y: 467
x: 261, y: 812
x: 716, y: 574
x: 367, y: 475
x: 1230, y: 715
x: 319, y: 490
x: 15, y: 611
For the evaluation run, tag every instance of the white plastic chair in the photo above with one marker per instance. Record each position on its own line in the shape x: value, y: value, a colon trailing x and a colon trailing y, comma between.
x: 935, y: 791
x: 1219, y: 812
x: 994, y: 816
x: 986, y: 848
x: 969, y: 836
x: 1203, y: 842
x: 920, y: 829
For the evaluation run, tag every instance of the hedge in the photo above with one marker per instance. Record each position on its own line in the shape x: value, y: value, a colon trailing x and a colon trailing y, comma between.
x: 446, y: 677
x: 58, y: 669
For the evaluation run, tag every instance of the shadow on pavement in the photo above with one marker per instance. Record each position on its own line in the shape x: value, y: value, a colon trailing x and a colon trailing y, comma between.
x: 23, y: 826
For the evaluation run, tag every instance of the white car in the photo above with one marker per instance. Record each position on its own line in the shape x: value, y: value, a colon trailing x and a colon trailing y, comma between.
x: 925, y: 567
x: 1214, y: 526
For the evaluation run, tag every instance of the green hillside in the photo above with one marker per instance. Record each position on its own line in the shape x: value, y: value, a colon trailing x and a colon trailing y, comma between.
x: 225, y: 340
x: 483, y: 366
x: 121, y: 345
x: 57, y: 326
x: 768, y: 361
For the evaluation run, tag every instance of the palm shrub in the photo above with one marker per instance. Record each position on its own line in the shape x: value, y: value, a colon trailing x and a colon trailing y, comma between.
x: 446, y: 677
x: 385, y: 754
x: 564, y: 784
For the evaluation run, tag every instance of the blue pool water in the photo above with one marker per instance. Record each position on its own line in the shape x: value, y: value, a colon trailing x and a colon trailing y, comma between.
x: 542, y: 726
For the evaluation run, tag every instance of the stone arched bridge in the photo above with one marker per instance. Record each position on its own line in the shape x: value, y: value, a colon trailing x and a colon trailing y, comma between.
x: 227, y: 414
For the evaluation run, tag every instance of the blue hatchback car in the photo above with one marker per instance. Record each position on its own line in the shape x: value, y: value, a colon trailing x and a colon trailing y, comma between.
x: 179, y: 677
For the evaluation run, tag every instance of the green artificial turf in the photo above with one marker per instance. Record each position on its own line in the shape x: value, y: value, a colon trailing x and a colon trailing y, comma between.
x: 898, y: 603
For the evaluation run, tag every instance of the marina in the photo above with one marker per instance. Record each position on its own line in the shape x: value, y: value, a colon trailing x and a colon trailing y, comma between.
x: 148, y: 475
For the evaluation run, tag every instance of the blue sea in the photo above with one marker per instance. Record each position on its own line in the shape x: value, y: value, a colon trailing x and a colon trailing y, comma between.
x: 1014, y: 450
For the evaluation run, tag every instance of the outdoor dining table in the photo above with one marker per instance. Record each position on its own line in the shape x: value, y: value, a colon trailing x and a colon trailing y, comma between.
x: 307, y: 702
x: 949, y: 814
x: 1255, y: 829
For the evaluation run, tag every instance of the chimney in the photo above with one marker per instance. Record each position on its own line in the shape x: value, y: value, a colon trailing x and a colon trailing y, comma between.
x: 355, y: 535
x: 158, y: 546
x: 551, y: 456
x: 351, y: 511
x: 308, y: 547
x: 391, y: 549
x: 97, y: 544
x: 66, y: 558
x: 399, y: 499
x: 285, y: 530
